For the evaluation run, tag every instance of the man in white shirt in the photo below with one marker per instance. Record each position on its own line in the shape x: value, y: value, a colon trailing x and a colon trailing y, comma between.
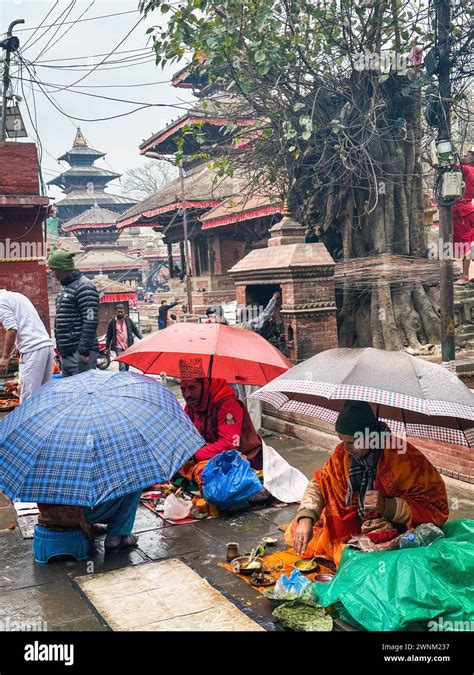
x: 25, y: 331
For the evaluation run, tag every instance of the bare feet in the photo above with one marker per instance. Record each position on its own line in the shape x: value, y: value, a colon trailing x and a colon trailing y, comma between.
x: 463, y: 281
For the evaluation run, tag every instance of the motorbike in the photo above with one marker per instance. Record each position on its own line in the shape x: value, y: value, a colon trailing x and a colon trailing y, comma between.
x: 103, y: 360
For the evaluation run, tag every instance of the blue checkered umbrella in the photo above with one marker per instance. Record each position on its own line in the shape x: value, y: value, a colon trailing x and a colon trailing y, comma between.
x: 86, y: 439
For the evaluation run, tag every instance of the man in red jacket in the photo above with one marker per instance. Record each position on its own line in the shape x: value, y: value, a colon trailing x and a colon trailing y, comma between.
x: 221, y: 419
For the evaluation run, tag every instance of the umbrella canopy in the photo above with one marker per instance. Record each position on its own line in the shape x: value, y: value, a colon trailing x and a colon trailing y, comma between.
x: 236, y: 354
x: 414, y: 397
x: 86, y: 439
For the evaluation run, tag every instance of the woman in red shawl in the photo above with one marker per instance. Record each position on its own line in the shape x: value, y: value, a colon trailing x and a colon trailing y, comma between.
x: 219, y: 416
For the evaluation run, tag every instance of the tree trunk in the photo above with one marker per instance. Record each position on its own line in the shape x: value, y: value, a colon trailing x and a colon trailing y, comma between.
x: 406, y: 317
x: 429, y: 318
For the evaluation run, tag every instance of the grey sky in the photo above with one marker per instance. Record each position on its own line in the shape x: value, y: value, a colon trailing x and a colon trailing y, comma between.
x: 120, y: 137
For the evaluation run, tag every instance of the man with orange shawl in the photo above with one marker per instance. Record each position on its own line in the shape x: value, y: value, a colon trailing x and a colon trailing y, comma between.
x: 221, y: 419
x: 399, y: 489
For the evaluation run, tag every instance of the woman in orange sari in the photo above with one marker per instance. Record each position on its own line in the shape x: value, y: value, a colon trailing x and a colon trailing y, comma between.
x: 366, y: 474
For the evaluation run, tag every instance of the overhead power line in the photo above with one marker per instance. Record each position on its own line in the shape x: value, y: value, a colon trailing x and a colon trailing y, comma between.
x: 38, y: 27
x: 33, y: 80
x: 109, y: 54
x: 91, y: 18
x: 49, y: 46
x: 98, y: 119
x: 90, y: 56
x: 47, y: 28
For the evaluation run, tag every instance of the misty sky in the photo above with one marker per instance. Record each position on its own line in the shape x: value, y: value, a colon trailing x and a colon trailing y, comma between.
x: 120, y: 137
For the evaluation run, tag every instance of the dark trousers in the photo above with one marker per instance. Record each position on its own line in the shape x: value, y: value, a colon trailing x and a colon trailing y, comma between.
x: 73, y: 364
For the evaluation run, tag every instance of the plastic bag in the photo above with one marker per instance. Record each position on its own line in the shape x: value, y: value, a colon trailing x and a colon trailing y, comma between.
x: 292, y: 587
x: 176, y: 509
x: 281, y: 479
x: 229, y: 479
x: 424, y: 588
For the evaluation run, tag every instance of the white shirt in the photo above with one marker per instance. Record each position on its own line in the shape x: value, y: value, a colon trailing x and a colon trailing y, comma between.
x: 18, y: 312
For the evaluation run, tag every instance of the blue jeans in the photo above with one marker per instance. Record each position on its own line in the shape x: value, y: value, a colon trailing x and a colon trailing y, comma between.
x: 122, y: 366
x: 161, y: 324
x: 118, y: 514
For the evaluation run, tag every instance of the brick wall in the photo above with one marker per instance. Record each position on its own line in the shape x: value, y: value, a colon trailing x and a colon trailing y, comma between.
x: 21, y: 229
x: 455, y: 461
x: 226, y: 252
x: 18, y: 169
x: 312, y: 334
x: 28, y: 278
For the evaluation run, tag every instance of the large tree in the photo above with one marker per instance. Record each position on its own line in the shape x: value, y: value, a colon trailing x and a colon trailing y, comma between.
x: 338, y: 89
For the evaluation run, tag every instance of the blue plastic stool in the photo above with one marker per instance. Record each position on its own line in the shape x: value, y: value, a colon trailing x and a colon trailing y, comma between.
x: 50, y: 543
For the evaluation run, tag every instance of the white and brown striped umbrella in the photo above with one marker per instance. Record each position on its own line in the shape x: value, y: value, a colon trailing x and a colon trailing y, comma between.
x: 414, y: 397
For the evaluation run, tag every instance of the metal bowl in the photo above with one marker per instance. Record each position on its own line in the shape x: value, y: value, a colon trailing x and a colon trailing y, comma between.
x: 246, y: 571
x: 324, y: 577
x: 306, y: 566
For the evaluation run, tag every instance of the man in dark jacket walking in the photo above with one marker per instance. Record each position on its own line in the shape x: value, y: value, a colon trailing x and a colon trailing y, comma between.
x: 163, y: 310
x: 77, y: 315
x: 120, y: 332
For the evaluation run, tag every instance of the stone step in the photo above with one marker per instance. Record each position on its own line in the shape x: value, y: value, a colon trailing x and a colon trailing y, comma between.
x: 465, y: 330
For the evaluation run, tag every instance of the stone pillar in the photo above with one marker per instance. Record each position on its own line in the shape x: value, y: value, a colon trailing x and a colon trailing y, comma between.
x: 305, y: 273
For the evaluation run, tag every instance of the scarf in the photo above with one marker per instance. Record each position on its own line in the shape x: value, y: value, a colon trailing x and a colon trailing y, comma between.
x: 362, y: 477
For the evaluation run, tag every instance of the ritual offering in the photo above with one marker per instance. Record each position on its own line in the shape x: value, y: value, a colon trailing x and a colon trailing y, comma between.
x: 247, y: 565
x: 262, y: 579
x: 306, y: 566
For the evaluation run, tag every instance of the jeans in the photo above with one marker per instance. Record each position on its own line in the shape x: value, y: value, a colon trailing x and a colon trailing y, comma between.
x: 161, y: 324
x: 118, y: 514
x: 122, y: 366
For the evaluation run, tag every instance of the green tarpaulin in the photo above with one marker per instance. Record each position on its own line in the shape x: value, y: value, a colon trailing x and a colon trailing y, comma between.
x: 426, y: 588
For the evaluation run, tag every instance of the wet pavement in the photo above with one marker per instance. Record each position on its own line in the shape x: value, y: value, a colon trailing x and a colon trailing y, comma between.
x: 30, y: 592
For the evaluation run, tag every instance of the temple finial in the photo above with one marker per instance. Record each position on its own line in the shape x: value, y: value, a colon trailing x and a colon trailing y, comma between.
x: 79, y: 140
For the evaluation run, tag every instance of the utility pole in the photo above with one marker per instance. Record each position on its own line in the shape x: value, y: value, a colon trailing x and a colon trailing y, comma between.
x: 189, y: 291
x: 10, y: 44
x: 443, y: 28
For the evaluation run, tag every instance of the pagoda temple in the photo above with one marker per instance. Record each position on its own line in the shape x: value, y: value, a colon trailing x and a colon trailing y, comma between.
x: 224, y: 221
x: 84, y: 184
x: 97, y: 233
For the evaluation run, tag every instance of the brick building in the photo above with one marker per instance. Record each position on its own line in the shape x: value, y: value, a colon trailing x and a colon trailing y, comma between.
x: 23, y: 210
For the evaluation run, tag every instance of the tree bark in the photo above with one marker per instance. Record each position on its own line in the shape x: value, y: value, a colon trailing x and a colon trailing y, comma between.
x: 430, y: 320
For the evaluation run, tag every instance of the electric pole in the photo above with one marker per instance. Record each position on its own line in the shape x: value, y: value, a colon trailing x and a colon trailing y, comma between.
x: 443, y: 31
x: 189, y: 290
x: 10, y: 44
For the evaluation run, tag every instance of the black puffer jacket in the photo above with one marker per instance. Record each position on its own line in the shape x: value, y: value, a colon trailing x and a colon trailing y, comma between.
x: 77, y: 315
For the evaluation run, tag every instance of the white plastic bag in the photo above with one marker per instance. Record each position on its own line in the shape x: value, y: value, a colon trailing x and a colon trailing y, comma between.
x: 281, y: 479
x: 176, y: 509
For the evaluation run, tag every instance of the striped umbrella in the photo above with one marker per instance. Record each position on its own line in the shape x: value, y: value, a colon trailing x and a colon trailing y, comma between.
x: 93, y: 437
x: 414, y: 397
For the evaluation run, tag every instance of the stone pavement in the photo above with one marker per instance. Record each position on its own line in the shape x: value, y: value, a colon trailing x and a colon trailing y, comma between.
x: 29, y: 592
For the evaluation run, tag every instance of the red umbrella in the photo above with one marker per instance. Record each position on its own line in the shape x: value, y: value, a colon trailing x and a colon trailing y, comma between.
x: 236, y: 354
